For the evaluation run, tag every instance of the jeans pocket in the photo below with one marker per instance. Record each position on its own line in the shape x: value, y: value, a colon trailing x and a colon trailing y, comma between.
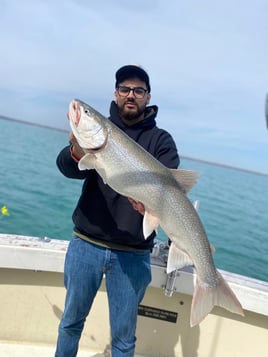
x: 75, y: 238
x: 142, y: 253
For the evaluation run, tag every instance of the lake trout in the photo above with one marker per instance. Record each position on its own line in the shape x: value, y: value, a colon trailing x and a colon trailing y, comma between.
x: 133, y: 172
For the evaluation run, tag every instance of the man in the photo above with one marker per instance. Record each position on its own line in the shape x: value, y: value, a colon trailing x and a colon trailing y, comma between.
x: 108, y: 236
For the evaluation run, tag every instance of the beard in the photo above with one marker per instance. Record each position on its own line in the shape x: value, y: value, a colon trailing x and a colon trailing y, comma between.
x: 131, y: 114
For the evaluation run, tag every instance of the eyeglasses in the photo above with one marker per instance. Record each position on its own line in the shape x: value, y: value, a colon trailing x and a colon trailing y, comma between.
x: 138, y: 92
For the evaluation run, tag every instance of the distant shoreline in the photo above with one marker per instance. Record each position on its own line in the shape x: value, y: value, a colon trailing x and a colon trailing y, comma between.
x: 30, y: 123
x: 181, y: 156
x: 223, y: 165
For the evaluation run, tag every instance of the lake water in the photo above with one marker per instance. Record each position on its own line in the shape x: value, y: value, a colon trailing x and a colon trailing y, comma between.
x: 233, y: 203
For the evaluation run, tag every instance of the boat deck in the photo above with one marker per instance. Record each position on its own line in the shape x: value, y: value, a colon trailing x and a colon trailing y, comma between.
x: 24, y: 350
x: 27, y: 350
x: 32, y: 298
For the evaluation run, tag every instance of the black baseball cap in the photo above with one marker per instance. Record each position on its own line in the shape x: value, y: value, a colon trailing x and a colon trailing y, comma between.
x: 131, y: 71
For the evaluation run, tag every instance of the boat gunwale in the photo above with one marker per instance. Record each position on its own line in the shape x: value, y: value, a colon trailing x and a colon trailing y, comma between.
x: 48, y: 254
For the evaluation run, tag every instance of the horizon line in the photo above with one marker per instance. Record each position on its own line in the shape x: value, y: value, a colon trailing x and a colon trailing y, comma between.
x: 4, y: 117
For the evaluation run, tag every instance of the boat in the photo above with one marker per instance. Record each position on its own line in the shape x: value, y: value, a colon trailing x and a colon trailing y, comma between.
x: 32, y: 298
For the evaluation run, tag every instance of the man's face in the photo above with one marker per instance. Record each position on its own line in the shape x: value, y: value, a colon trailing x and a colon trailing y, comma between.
x: 131, y: 106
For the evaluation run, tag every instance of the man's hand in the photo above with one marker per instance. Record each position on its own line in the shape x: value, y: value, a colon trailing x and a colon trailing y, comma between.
x: 76, y: 151
x: 138, y: 206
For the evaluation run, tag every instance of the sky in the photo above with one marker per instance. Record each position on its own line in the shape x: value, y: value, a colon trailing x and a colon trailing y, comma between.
x: 207, y: 61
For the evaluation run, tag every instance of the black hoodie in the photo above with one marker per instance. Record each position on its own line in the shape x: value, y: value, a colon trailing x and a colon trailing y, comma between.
x: 103, y: 214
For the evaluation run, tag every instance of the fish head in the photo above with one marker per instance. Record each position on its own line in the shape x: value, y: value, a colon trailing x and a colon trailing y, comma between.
x: 87, y: 125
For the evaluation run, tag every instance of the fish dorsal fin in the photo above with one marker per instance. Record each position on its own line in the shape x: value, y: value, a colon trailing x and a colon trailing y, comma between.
x: 150, y: 224
x: 186, y: 178
x: 212, y: 248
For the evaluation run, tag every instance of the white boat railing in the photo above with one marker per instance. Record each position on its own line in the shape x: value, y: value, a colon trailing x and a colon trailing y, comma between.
x: 46, y: 254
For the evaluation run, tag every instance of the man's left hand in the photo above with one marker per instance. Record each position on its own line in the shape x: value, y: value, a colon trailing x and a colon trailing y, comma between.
x: 138, y: 206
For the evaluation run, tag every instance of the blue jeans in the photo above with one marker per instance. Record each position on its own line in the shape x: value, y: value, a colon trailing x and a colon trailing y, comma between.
x: 127, y: 276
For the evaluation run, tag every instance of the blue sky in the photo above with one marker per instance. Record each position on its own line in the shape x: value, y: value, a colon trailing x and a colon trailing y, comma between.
x: 207, y: 62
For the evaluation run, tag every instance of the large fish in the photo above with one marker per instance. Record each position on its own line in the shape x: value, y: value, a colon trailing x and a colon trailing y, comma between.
x: 133, y: 172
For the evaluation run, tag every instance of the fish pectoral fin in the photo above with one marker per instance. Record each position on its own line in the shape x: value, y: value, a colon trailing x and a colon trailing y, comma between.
x: 186, y: 178
x: 150, y: 224
x: 86, y: 162
x: 177, y: 258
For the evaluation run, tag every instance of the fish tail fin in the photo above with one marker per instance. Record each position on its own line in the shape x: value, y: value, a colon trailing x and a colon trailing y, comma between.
x: 205, y: 298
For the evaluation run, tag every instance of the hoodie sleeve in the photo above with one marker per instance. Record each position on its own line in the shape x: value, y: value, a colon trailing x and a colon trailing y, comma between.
x: 68, y: 167
x: 165, y: 149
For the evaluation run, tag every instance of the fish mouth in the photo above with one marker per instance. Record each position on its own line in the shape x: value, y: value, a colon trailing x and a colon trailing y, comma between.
x: 76, y: 111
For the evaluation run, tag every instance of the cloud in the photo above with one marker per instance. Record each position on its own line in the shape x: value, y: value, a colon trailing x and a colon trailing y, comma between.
x: 207, y: 64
